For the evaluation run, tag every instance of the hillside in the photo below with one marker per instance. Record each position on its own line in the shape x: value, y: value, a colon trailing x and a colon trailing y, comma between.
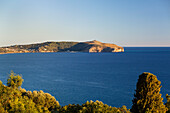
x: 90, y: 46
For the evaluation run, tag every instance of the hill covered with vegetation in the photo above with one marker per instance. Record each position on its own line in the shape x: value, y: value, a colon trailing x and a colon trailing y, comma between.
x: 14, y: 99
x: 91, y: 46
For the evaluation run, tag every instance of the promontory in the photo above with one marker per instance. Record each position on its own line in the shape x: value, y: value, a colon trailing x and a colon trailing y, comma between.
x: 89, y: 46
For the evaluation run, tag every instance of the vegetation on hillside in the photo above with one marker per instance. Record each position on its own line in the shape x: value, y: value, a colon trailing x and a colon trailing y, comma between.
x: 14, y: 99
x: 44, y: 47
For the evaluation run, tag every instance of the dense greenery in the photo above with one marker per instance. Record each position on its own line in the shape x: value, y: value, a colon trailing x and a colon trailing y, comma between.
x: 148, y: 98
x: 14, y: 99
x: 168, y: 103
x: 93, y: 107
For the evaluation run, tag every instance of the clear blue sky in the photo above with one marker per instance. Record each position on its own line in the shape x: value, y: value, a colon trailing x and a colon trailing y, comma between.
x: 123, y: 22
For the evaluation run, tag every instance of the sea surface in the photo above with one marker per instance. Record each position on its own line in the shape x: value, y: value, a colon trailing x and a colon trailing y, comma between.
x: 74, y: 78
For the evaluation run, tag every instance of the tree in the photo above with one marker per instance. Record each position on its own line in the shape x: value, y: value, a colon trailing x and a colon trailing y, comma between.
x: 147, y: 98
x: 14, y: 80
x: 168, y: 103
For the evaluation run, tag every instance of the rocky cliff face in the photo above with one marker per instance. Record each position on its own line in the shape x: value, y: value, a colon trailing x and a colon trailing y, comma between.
x: 96, y: 46
x: 104, y: 47
x: 90, y: 46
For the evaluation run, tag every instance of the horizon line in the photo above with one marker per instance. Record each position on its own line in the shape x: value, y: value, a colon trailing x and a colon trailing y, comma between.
x: 145, y: 45
x: 84, y: 41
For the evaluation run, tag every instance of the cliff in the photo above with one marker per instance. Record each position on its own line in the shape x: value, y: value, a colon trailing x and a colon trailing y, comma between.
x: 96, y: 46
x: 90, y: 46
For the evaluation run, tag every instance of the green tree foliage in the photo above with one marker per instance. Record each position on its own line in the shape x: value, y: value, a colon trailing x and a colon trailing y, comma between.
x: 2, y: 109
x: 14, y: 80
x: 12, y: 101
x: 18, y: 100
x: 98, y: 107
x: 92, y: 107
x: 147, y: 98
x: 43, y: 100
x: 168, y: 103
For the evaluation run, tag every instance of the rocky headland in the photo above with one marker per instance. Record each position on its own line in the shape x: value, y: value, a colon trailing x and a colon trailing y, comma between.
x: 89, y: 46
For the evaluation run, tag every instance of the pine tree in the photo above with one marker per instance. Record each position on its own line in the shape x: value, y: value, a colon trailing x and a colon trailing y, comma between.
x: 168, y: 103
x: 147, y: 98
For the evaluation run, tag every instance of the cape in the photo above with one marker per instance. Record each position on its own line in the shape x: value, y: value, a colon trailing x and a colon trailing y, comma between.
x: 89, y: 46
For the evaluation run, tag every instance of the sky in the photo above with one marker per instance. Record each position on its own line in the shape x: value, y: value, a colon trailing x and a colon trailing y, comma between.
x: 122, y: 22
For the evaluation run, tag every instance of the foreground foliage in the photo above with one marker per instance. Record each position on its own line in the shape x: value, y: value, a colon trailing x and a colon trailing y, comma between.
x: 168, y: 103
x: 148, y: 98
x: 93, y: 107
x: 14, y: 99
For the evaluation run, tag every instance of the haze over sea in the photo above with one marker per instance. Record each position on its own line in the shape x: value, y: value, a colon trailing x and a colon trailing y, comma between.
x: 74, y: 78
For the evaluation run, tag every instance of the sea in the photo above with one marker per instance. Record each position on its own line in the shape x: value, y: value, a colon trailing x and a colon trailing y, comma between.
x: 74, y: 78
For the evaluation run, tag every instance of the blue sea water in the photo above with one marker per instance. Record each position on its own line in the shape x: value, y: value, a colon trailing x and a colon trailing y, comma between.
x: 74, y: 78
